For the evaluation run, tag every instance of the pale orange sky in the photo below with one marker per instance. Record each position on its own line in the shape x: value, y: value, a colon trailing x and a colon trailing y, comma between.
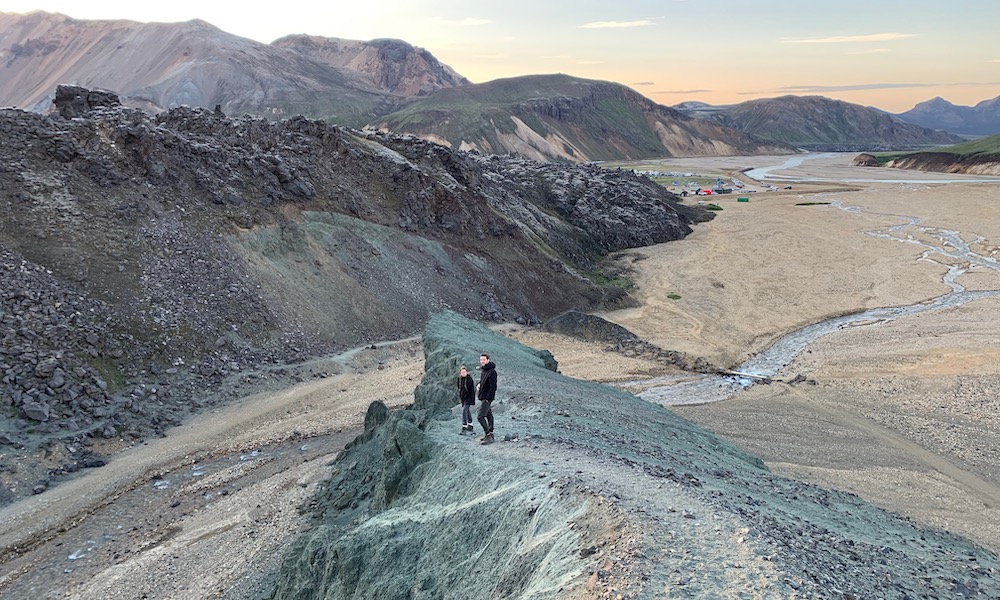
x: 890, y: 54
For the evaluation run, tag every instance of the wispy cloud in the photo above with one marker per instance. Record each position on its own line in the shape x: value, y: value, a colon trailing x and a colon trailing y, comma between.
x: 852, y: 39
x: 799, y: 89
x: 466, y: 22
x: 820, y: 89
x: 870, y: 51
x: 880, y: 86
x: 617, y: 24
x: 644, y: 83
x: 686, y: 92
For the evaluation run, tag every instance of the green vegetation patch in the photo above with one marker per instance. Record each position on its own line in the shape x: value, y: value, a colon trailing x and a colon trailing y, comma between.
x: 535, y: 124
x: 982, y: 148
x: 987, y: 146
x: 110, y: 372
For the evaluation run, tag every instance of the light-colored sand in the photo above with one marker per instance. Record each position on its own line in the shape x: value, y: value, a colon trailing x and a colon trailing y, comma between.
x: 905, y: 414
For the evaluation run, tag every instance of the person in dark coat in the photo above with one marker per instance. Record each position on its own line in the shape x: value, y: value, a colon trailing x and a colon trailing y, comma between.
x: 467, y: 396
x: 487, y: 388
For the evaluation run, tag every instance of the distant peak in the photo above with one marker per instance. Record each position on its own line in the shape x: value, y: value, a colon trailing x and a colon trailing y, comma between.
x: 936, y: 101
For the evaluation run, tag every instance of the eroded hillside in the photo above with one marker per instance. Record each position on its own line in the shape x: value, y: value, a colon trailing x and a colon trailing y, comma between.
x: 559, y: 117
x: 976, y: 157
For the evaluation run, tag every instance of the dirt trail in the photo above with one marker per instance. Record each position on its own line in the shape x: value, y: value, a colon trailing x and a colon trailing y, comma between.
x: 157, y: 515
x: 978, y: 488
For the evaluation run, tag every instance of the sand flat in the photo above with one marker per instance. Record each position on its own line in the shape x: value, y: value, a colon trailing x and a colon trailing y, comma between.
x: 903, y: 413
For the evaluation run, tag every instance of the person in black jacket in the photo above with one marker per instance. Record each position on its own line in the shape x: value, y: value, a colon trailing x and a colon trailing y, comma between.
x: 487, y: 392
x: 467, y: 396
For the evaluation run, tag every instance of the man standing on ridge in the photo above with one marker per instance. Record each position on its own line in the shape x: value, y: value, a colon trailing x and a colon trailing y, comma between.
x: 487, y: 389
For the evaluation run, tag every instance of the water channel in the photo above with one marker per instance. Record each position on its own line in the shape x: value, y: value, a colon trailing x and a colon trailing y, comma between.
x: 679, y: 390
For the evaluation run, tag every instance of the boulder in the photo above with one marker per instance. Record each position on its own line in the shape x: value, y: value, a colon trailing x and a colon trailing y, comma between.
x: 865, y: 160
x: 74, y: 101
x: 36, y: 411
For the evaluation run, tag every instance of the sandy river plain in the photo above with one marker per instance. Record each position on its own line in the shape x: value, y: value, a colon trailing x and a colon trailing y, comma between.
x: 903, y: 413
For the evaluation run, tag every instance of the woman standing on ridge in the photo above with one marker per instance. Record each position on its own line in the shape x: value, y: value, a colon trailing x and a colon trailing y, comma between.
x: 467, y: 396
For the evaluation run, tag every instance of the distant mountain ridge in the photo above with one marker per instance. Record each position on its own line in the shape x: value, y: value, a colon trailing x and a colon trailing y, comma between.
x: 938, y: 113
x: 561, y: 117
x: 818, y: 123
x: 390, y: 84
x: 155, y: 66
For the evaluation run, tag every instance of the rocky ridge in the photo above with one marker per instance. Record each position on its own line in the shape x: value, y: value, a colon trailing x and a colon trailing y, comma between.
x: 153, y: 266
x: 591, y: 492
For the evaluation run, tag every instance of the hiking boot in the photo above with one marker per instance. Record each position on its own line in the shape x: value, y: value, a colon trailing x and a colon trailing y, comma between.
x: 488, y: 438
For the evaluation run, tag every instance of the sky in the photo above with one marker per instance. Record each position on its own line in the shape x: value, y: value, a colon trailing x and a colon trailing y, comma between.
x: 890, y: 54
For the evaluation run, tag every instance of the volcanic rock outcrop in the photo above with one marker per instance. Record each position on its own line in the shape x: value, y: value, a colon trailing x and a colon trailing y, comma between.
x: 146, y: 263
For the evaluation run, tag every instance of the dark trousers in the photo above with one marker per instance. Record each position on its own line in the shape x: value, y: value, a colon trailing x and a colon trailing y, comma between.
x: 466, y: 414
x: 486, y: 415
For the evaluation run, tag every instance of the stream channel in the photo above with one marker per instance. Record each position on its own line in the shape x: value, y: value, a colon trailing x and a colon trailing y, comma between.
x: 675, y: 390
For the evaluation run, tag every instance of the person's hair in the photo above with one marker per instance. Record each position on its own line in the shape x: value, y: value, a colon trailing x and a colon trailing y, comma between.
x: 486, y: 355
x: 462, y: 368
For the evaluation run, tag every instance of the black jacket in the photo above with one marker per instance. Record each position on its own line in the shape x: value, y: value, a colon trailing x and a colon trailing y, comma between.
x: 488, y: 382
x: 466, y: 390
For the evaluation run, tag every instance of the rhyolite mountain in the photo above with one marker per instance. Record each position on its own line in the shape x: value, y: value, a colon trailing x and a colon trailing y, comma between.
x: 390, y: 65
x: 822, y: 124
x: 559, y: 117
x: 938, y: 113
x: 156, y: 66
